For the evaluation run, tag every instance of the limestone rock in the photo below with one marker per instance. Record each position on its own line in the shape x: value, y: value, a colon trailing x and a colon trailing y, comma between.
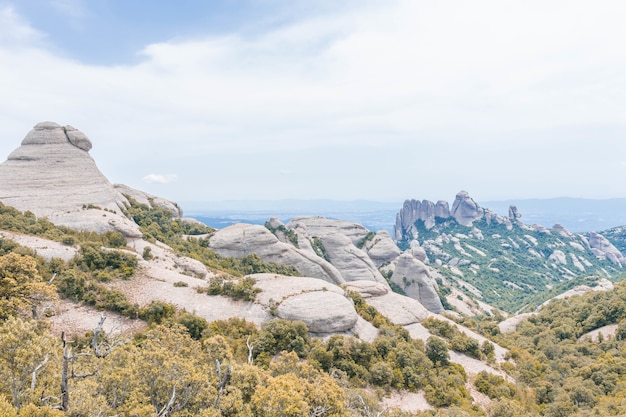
x: 381, y: 249
x: 78, y: 138
x: 465, y: 210
x: 417, y: 282
x: 400, y: 309
x: 322, y: 312
x: 52, y: 175
x: 240, y: 240
x: 603, y: 248
x: 338, y: 239
x: 514, y: 213
x: 367, y: 289
x: 322, y: 306
x: 149, y: 200
x: 558, y: 257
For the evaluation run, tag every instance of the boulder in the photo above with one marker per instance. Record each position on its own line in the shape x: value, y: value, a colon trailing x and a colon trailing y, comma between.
x: 465, y: 210
x: 603, y: 248
x: 417, y: 281
x: 338, y: 240
x: 239, y: 240
x: 514, y: 214
x: 381, y: 249
x: 322, y: 306
x: 400, y: 309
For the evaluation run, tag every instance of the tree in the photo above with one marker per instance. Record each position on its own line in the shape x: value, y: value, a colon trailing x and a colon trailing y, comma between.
x: 437, y: 351
x: 21, y: 287
x: 24, y: 353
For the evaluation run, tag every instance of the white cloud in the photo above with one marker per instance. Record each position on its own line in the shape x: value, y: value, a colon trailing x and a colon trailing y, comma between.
x: 429, y: 79
x: 160, y: 178
x: 15, y: 31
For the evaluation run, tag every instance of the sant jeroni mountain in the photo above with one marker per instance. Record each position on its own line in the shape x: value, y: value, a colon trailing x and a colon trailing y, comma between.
x: 500, y: 260
x: 313, y: 317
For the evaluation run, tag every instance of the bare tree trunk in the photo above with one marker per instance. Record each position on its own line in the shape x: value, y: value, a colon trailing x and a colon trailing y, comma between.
x: 250, y: 349
x: 221, y: 380
x: 65, y: 392
x: 96, y: 335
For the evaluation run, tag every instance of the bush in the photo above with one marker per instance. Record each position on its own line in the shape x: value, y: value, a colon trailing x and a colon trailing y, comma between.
x: 156, y: 312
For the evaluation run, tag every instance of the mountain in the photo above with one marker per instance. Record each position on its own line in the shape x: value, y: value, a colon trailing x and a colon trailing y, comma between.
x: 198, y: 319
x: 52, y: 175
x: 498, y: 259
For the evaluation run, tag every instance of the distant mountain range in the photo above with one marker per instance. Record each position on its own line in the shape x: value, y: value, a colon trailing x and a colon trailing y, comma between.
x: 575, y: 214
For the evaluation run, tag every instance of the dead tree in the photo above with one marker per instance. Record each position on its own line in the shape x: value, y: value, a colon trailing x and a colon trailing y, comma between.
x: 68, y: 370
x: 222, y: 380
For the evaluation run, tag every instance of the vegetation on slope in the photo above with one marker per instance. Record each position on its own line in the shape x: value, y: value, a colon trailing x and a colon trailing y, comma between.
x: 158, y: 224
x: 510, y: 268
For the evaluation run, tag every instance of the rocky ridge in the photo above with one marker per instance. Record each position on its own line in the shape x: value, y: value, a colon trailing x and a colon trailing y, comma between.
x: 499, y: 259
x: 52, y: 175
x: 335, y: 251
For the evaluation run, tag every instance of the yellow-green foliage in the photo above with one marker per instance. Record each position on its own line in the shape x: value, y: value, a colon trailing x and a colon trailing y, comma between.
x: 158, y: 224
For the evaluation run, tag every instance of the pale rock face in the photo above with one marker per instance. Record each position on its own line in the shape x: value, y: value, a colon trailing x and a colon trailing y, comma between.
x: 601, y: 247
x: 465, y: 210
x: 514, y: 213
x: 418, y: 252
x: 339, y: 239
x: 416, y: 281
x: 414, y: 210
x: 442, y: 209
x: 52, y: 175
x: 240, y: 240
x: 558, y: 257
x: 560, y: 229
x: 400, y: 309
x: 322, y: 306
x: 149, y: 199
x: 382, y: 248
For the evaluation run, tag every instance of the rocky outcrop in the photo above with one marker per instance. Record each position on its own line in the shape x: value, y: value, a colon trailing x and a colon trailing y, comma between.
x: 417, y: 281
x: 401, y: 310
x: 322, y: 306
x: 149, y: 199
x: 337, y: 241
x: 381, y: 248
x: 414, y: 210
x: 514, y: 213
x: 603, y: 249
x: 52, y: 175
x: 465, y: 210
x: 240, y: 240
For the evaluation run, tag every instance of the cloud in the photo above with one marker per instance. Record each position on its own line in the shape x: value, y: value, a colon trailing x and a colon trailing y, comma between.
x: 438, y: 81
x: 15, y: 32
x: 160, y: 178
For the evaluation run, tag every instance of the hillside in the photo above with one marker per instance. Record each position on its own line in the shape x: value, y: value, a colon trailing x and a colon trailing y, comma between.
x: 121, y: 277
x: 500, y: 260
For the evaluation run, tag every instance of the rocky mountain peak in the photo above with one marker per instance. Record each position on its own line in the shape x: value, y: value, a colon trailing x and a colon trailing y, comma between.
x: 50, y: 133
x: 465, y: 210
x: 52, y: 175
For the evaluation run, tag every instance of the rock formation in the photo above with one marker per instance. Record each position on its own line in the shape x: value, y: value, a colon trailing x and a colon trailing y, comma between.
x: 604, y: 249
x: 417, y: 281
x: 52, y: 175
x: 240, y: 240
x: 465, y: 210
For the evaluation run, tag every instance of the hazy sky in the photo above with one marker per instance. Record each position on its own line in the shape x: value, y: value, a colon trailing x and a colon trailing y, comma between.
x: 354, y: 99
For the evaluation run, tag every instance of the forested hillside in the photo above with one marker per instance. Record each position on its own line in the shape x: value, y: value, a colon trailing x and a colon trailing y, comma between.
x: 182, y: 365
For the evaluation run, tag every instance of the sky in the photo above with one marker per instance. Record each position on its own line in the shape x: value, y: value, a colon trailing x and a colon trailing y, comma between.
x: 381, y: 100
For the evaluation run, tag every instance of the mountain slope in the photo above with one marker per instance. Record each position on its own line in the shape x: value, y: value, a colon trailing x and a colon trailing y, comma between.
x: 499, y: 259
